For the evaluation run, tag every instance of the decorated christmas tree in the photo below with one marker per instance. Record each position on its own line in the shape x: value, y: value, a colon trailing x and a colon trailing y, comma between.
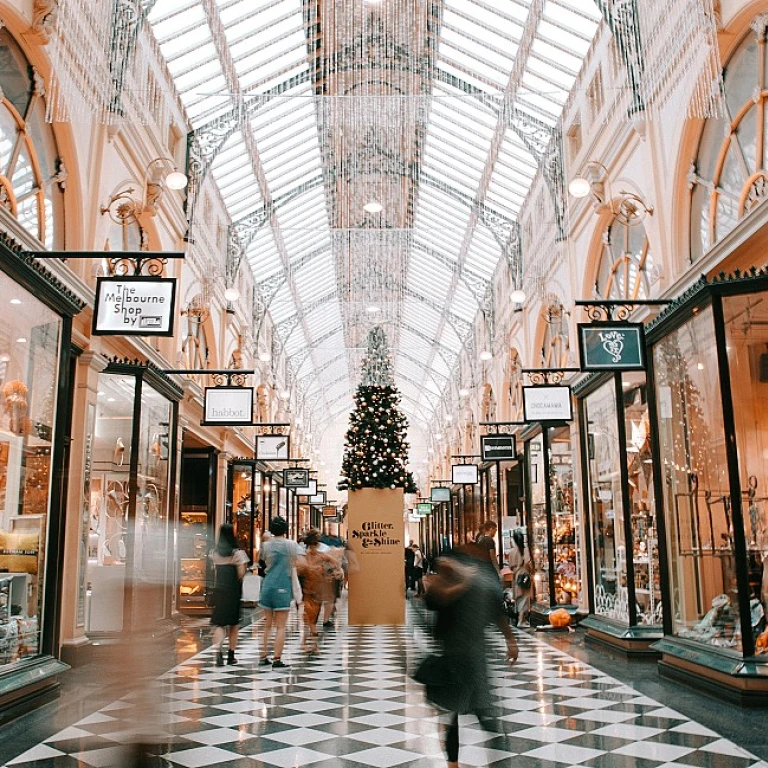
x: 376, y: 451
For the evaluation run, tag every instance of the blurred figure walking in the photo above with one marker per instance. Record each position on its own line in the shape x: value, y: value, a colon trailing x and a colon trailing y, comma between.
x: 230, y: 564
x: 279, y: 555
x: 318, y: 574
x: 467, y: 597
x: 521, y: 565
x: 418, y: 569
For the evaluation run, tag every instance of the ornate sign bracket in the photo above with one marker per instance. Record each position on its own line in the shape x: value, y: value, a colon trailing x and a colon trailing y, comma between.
x: 616, y: 309
x: 501, y: 427
x: 548, y: 375
x: 225, y: 377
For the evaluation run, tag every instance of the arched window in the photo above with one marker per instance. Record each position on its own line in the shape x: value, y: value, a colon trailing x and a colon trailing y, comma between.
x: 556, y: 345
x: 32, y: 177
x: 625, y: 262
x: 729, y: 177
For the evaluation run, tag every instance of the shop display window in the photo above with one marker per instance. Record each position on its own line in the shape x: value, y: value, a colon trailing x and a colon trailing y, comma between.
x: 126, y: 531
x: 642, y: 511
x: 565, y: 558
x: 246, y: 485
x: 538, y: 526
x: 30, y: 339
x: 606, y: 504
x: 746, y: 325
x: 700, y: 531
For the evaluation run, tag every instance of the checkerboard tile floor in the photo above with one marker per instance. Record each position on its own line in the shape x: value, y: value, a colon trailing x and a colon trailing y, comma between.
x: 355, y: 705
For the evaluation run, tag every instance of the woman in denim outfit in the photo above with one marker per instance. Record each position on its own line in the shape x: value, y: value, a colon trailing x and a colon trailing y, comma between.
x: 276, y: 594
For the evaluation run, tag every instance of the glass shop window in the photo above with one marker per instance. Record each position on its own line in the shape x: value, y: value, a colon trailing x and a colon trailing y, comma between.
x: 29, y: 360
x: 606, y: 506
x: 642, y: 512
x: 539, y: 523
x: 567, y: 581
x: 746, y: 323
x: 702, y: 563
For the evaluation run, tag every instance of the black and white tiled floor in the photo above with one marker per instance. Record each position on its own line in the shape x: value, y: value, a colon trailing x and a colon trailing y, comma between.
x: 355, y: 705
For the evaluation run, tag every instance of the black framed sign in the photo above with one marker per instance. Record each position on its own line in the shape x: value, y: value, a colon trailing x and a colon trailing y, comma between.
x: 134, y: 306
x: 232, y: 406
x: 438, y: 495
x: 319, y: 499
x: 547, y: 402
x: 498, y: 447
x: 608, y: 346
x: 295, y: 477
x: 273, y: 447
x: 329, y: 512
x: 310, y: 489
x: 464, y: 474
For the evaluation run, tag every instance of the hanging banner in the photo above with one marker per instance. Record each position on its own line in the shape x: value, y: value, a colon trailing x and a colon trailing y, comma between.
x: 319, y: 499
x: 464, y: 474
x: 273, y: 447
x: 498, y: 447
x: 295, y: 478
x: 612, y: 346
x: 134, y: 306
x: 424, y: 509
x: 550, y: 402
x: 310, y: 489
x: 329, y: 513
x: 232, y: 406
x: 438, y: 495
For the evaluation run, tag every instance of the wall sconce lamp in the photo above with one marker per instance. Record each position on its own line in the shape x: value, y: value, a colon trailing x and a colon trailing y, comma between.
x: 627, y: 207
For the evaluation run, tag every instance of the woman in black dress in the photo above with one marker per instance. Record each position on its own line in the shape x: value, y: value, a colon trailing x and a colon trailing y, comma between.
x: 230, y: 564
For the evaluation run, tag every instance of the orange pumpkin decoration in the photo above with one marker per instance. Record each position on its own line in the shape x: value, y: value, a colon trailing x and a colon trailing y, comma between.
x: 560, y: 618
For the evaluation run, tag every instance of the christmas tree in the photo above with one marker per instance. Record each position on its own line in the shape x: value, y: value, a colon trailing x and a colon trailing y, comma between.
x: 376, y: 451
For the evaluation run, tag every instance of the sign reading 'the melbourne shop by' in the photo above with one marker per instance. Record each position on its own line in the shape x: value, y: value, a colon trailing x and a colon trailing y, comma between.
x: 612, y: 346
x: 134, y: 306
x: 229, y: 405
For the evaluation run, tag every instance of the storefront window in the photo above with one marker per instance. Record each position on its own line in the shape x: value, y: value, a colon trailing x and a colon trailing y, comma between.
x: 537, y: 480
x: 746, y: 323
x: 705, y: 604
x: 607, y: 510
x: 567, y: 582
x: 109, y: 487
x: 29, y: 360
x: 246, y: 483
x: 645, y: 542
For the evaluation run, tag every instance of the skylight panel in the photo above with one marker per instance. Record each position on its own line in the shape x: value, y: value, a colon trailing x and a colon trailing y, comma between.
x: 559, y: 36
x: 549, y: 52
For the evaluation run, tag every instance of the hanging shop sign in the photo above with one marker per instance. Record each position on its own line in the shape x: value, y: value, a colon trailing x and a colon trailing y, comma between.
x: 549, y: 402
x: 498, y: 447
x: 464, y: 474
x: 134, y: 306
x: 438, y: 495
x: 612, y: 346
x: 295, y: 478
x: 319, y: 499
x: 424, y: 509
x: 231, y: 406
x: 273, y: 447
x: 310, y: 489
x: 329, y: 513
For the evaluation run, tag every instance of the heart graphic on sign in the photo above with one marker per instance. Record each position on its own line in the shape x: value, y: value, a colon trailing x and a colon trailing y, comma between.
x: 613, y: 344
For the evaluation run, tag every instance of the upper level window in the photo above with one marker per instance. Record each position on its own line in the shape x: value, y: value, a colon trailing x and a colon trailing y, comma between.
x: 625, y: 262
x: 31, y: 176
x: 729, y: 177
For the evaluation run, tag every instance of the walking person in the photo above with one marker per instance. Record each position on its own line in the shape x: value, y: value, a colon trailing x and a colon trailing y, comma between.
x: 230, y: 564
x: 418, y: 570
x: 521, y: 565
x: 486, y: 540
x: 467, y: 597
x: 409, y: 558
x: 279, y: 555
x: 318, y: 572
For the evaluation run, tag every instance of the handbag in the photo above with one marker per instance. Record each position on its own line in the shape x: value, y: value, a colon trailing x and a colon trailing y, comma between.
x: 523, y: 580
x: 443, y: 683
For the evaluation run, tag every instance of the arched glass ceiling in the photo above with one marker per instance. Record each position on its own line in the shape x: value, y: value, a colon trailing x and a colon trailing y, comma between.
x: 442, y: 112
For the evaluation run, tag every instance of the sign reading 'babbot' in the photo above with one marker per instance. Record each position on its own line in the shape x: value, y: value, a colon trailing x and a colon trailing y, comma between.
x: 134, y: 306
x: 612, y: 346
x: 229, y: 405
